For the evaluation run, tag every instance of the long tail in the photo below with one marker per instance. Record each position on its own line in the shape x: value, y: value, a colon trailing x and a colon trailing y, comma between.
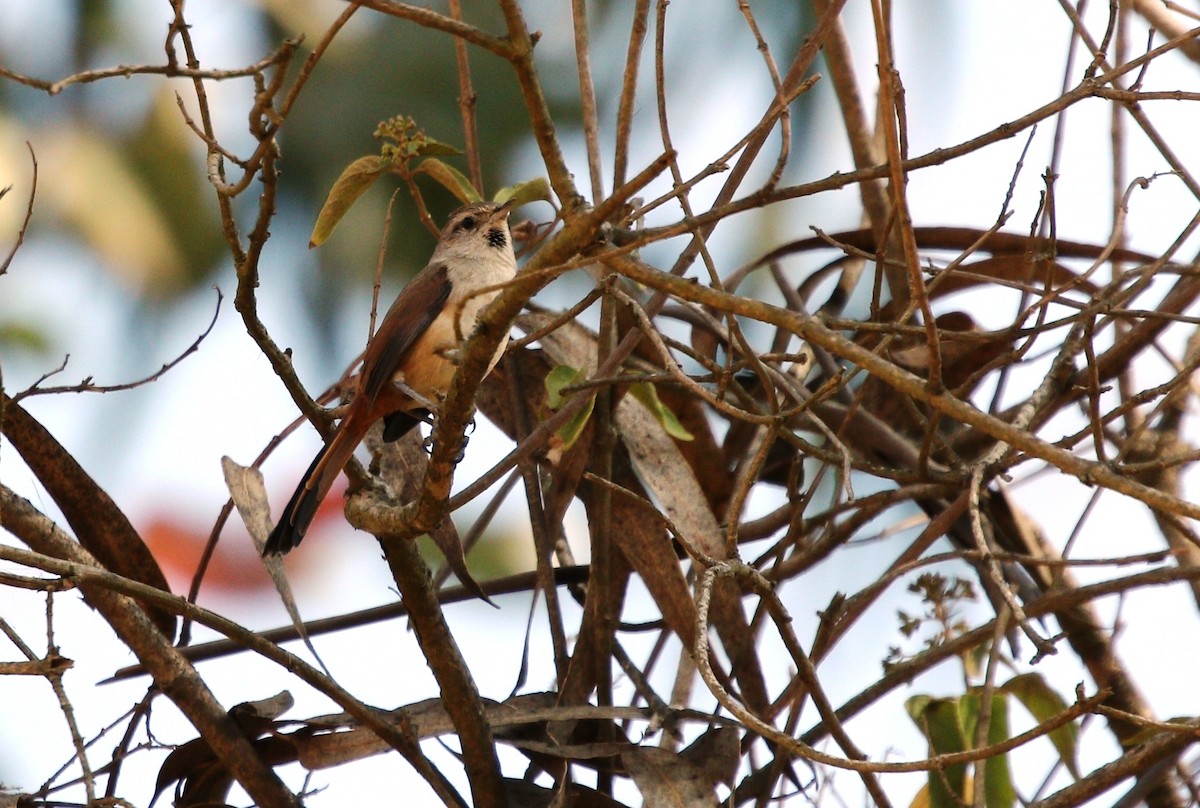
x: 313, y: 488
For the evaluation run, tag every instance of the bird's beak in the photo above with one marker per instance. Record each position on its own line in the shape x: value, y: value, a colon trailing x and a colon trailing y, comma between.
x: 504, y: 209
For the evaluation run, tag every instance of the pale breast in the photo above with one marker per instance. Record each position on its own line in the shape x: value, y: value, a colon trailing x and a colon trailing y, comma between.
x: 429, y: 371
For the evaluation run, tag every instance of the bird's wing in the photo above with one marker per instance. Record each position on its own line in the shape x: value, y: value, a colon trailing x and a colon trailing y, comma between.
x: 417, y: 306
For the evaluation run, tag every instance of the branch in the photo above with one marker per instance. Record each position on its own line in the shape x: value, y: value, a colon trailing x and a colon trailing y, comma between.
x: 174, y: 675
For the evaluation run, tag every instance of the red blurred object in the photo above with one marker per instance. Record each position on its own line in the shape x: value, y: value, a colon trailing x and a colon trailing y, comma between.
x: 178, y: 543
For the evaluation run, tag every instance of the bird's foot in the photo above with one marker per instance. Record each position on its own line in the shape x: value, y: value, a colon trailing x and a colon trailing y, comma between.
x: 429, y: 445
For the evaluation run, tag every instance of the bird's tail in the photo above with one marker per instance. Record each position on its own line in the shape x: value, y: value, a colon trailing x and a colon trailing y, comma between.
x: 311, y: 492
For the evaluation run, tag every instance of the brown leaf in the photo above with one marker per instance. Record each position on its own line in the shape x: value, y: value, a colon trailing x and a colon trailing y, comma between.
x: 668, y: 780
x: 101, y: 527
x: 1020, y: 271
x: 531, y: 795
x: 336, y: 739
x: 964, y: 348
x: 202, y: 779
x: 596, y: 629
x: 659, y: 463
x: 639, y: 532
x: 717, y: 753
x: 653, y: 452
x: 402, y: 465
x: 958, y: 239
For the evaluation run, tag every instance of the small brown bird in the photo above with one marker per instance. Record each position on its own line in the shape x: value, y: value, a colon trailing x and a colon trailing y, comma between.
x: 430, y: 316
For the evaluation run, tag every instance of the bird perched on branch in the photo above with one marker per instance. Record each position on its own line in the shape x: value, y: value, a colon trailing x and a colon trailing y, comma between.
x: 406, y: 367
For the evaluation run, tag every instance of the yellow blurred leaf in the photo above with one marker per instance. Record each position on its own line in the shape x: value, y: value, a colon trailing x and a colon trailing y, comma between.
x: 86, y: 181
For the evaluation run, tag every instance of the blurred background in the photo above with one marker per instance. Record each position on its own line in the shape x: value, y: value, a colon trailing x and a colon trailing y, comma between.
x: 119, y: 272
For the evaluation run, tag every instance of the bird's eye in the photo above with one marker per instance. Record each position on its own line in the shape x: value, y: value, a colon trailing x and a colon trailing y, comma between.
x: 468, y: 223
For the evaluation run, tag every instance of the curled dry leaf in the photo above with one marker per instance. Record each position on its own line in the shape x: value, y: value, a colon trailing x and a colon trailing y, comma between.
x: 717, y: 753
x: 201, y: 778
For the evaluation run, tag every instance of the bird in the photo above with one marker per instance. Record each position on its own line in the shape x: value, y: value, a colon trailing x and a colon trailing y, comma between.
x: 432, y: 315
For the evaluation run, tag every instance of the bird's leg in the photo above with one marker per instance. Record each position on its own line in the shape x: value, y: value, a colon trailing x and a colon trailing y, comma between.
x: 430, y: 443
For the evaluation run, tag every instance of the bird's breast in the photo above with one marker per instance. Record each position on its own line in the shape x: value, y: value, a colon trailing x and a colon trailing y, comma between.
x: 430, y: 368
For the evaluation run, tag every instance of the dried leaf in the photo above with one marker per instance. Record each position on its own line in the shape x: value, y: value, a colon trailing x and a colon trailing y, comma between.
x: 669, y: 477
x: 666, y: 473
x: 99, y: 524
x: 964, y: 348
x: 705, y: 342
x: 667, y: 780
x: 249, y: 496
x: 717, y: 753
x: 202, y: 779
x: 642, y: 540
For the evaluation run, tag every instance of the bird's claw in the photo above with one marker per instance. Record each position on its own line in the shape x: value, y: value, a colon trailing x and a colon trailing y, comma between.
x: 429, y: 444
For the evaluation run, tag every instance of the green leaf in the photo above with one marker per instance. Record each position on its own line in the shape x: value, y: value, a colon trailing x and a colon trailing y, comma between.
x: 1044, y: 703
x: 998, y: 789
x: 557, y: 379
x: 354, y: 181
x: 569, y: 432
x: 941, y: 722
x: 450, y: 178
x: 916, y: 707
x: 535, y: 190
x: 424, y: 146
x: 562, y: 376
x: 25, y: 335
x: 648, y: 395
